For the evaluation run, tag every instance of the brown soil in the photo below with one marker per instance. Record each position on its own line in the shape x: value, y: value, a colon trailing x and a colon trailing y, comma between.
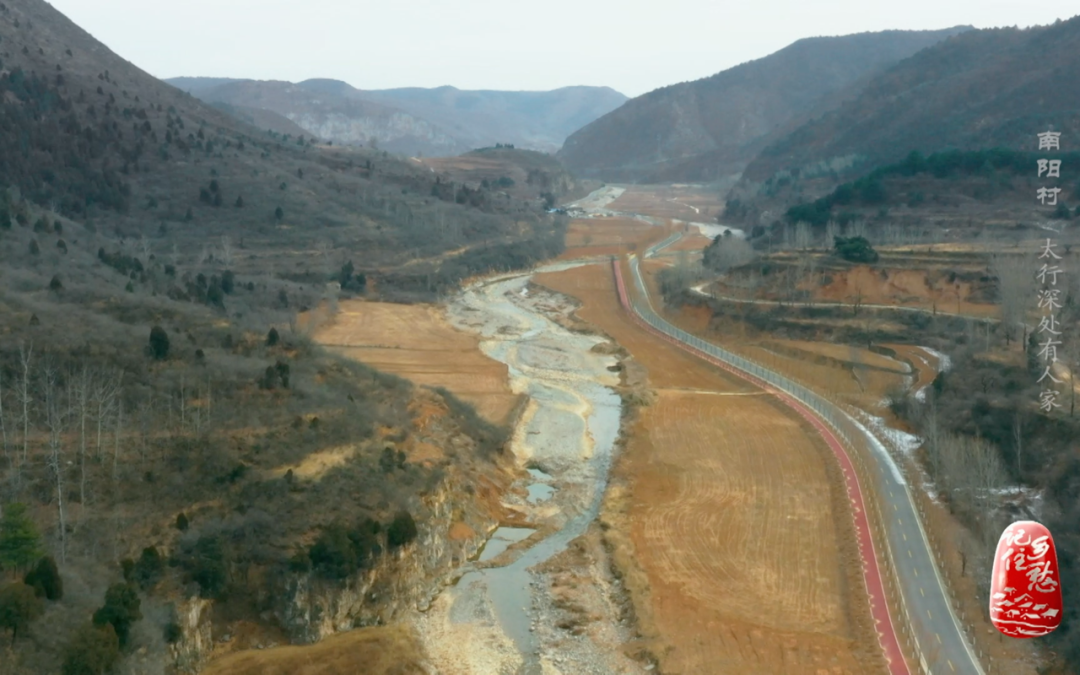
x: 391, y: 650
x: 899, y: 287
x: 608, y: 236
x: 740, y: 538
x: 416, y: 342
x: 671, y: 201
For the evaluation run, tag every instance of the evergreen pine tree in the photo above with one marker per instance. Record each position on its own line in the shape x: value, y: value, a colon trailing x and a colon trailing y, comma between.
x: 20, y: 544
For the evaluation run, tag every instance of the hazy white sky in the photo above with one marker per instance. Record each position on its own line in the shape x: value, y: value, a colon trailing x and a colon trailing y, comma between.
x: 629, y: 45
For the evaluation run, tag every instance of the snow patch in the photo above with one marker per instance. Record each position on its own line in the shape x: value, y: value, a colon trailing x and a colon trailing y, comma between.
x: 881, y: 450
x: 899, y: 440
x: 944, y: 362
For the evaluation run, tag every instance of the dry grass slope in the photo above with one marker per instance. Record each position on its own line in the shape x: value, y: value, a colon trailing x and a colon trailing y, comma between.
x: 381, y: 650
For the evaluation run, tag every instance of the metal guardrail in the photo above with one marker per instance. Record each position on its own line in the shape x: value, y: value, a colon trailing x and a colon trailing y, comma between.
x: 840, y: 421
x: 661, y: 245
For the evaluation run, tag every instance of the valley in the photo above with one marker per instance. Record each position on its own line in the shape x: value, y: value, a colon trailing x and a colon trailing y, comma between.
x: 743, y: 373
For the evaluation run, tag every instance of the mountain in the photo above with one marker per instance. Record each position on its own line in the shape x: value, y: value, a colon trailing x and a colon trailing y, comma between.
x: 979, y: 89
x: 158, y: 258
x: 711, y: 128
x: 92, y: 138
x: 440, y: 122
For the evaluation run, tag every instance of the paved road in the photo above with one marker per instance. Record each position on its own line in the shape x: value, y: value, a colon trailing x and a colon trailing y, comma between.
x: 942, y: 646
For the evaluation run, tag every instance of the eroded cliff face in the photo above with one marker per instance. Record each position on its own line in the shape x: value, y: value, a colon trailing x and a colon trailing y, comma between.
x: 456, y: 520
x: 402, y: 580
x: 191, y: 652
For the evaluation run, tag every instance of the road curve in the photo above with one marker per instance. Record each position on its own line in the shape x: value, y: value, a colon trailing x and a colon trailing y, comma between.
x: 940, y: 643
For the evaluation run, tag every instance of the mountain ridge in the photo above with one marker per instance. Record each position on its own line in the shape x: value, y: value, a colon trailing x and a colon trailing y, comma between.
x: 712, y: 127
x: 440, y: 121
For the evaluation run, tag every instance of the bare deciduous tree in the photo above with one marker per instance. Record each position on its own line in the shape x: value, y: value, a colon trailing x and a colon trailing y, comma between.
x: 1016, y: 289
x: 80, y: 399
x: 971, y: 470
x: 226, y: 252
x: 324, y: 248
x: 26, y: 398
x: 3, y: 417
x: 55, y: 424
x: 832, y: 231
x: 145, y: 249
x: 804, y: 236
x: 728, y: 252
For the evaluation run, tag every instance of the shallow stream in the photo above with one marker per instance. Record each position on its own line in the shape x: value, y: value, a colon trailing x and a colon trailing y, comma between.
x: 569, y: 428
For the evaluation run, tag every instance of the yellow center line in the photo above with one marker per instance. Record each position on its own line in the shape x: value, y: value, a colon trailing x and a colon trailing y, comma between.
x: 916, y: 571
x: 929, y: 614
x: 899, y: 521
x: 951, y: 667
x: 905, y: 536
x: 921, y: 592
x: 909, y: 553
x: 938, y: 638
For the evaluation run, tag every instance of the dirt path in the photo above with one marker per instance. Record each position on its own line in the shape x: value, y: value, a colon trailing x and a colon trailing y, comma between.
x: 732, y: 516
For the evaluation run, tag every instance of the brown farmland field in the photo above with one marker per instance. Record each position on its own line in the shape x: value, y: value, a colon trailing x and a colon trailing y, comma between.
x: 608, y: 236
x: 733, y: 515
x: 685, y: 202
x: 416, y: 342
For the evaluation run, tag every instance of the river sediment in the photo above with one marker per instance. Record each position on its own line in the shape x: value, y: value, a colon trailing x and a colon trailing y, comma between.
x: 542, y: 605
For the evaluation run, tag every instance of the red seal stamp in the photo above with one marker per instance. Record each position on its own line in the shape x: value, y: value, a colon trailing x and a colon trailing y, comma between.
x: 1025, y: 590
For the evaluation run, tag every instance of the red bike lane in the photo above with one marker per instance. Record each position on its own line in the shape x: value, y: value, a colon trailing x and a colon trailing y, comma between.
x: 879, y: 608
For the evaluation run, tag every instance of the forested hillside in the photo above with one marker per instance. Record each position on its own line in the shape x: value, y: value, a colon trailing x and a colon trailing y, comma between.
x: 978, y: 90
x: 710, y: 128
x: 161, y: 403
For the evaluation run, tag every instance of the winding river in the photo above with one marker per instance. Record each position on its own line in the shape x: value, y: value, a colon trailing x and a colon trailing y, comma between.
x: 566, y: 436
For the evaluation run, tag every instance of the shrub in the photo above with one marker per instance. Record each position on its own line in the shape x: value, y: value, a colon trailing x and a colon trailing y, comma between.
x: 181, y: 522
x: 45, y: 579
x: 402, y: 530
x: 94, y: 650
x: 206, y: 566
x: 121, y: 609
x: 340, y: 551
x: 20, y: 544
x: 172, y: 633
x: 333, y: 554
x: 19, y: 606
x: 272, y: 338
x: 269, y: 379
x: 148, y: 568
x: 159, y: 343
x: 55, y: 284
x: 855, y: 249
x: 282, y: 370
